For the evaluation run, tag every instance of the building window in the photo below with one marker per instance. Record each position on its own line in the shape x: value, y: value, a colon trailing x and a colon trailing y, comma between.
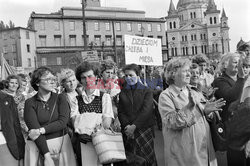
x: 185, y: 38
x: 172, y: 51
x: 13, y: 47
x: 215, y: 21
x: 139, y: 28
x: 72, y: 40
x: 57, y: 40
x: 150, y: 36
x: 175, y: 51
x: 174, y: 24
x: 204, y: 36
x: 107, y: 26
x: 170, y: 25
x: 42, y: 25
x: 29, y: 62
x: 28, y: 47
x: 149, y: 27
x: 129, y: 27
x: 59, y: 60
x: 119, y: 40
x: 159, y: 27
x: 72, y: 25
x: 182, y: 38
x: 195, y: 49
x: 27, y: 35
x: 42, y: 40
x: 160, y: 37
x: 194, y: 15
x: 44, y: 61
x: 202, y: 49
x: 183, y: 50
x: 97, y: 40
x: 57, y: 25
x: 97, y: 26
x: 194, y: 37
x: 201, y: 36
x: 211, y: 20
x: 186, y: 50
x: 118, y: 26
x: 108, y: 40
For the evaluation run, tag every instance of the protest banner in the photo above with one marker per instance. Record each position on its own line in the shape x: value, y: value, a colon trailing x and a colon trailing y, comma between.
x: 143, y: 50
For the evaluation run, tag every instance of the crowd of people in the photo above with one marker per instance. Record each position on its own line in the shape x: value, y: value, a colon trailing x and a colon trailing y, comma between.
x: 49, y: 119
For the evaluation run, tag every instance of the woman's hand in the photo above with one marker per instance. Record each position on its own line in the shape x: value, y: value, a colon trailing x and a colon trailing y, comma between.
x: 34, y: 134
x: 48, y: 161
x: 212, y: 106
x: 209, y: 92
x: 129, y: 130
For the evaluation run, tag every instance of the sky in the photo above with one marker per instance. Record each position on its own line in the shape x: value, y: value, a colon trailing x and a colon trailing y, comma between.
x: 238, y: 12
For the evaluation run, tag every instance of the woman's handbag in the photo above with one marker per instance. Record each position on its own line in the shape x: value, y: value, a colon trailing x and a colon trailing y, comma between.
x: 218, y: 132
x: 109, y: 146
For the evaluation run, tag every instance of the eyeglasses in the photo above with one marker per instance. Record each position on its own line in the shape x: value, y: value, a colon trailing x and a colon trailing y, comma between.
x: 49, y: 80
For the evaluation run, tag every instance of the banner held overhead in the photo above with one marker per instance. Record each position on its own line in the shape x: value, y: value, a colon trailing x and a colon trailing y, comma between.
x: 143, y: 50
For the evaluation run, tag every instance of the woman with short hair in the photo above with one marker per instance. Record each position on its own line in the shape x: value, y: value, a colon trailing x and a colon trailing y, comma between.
x: 46, y: 115
x: 186, y: 132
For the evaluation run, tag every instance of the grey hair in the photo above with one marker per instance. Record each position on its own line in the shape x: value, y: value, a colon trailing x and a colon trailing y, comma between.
x: 225, y: 60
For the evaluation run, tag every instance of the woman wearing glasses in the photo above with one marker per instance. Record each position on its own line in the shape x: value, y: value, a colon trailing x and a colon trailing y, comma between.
x: 46, y: 115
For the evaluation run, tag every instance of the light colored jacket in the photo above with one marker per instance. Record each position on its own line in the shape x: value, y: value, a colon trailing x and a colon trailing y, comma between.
x: 187, y: 138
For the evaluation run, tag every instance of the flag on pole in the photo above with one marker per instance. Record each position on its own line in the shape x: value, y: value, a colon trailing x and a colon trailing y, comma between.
x: 6, y: 69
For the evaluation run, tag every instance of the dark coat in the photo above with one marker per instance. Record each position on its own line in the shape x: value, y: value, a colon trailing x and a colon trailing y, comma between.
x: 137, y: 107
x: 229, y: 90
x: 11, y: 126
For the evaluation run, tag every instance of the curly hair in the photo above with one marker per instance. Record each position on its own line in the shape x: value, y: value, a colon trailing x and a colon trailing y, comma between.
x: 37, y: 74
x: 225, y: 60
x: 84, y: 67
x: 64, y: 74
x: 10, y: 77
x: 172, y: 66
x: 200, y: 58
x: 107, y: 64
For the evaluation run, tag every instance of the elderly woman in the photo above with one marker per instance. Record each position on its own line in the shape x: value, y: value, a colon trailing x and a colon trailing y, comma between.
x: 95, y: 110
x: 11, y: 139
x: 135, y: 112
x: 46, y: 115
x: 230, y: 85
x: 187, y: 139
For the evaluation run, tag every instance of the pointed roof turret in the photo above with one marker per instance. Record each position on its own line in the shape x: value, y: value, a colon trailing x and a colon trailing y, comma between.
x: 223, y: 13
x: 212, y: 7
x: 172, y: 11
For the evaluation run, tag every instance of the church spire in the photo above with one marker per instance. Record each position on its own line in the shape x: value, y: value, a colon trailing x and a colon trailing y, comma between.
x: 212, y: 7
x: 223, y: 13
x: 172, y: 10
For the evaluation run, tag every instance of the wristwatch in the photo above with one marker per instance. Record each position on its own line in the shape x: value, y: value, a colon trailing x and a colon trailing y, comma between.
x: 41, y: 131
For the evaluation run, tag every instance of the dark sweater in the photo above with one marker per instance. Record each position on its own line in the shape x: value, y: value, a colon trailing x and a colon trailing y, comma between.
x: 229, y: 90
x: 37, y: 115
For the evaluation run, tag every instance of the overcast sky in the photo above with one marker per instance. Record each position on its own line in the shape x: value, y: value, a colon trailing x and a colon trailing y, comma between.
x: 238, y: 11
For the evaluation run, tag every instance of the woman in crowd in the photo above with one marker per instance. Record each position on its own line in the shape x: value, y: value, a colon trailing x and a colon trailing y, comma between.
x: 95, y: 109
x: 68, y: 81
x: 46, y: 115
x: 12, y: 85
x: 187, y: 139
x: 206, y: 78
x: 108, y: 85
x: 11, y: 138
x: 230, y: 85
x: 135, y: 112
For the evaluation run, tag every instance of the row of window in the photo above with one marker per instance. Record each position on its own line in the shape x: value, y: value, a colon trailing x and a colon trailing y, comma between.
x: 12, y: 35
x: 194, y: 49
x: 108, y: 26
x: 45, y: 61
x: 73, y: 40
x: 193, y: 37
x: 13, y: 48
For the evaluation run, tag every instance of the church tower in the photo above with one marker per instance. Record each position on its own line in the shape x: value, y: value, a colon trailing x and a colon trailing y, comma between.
x: 198, y: 29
